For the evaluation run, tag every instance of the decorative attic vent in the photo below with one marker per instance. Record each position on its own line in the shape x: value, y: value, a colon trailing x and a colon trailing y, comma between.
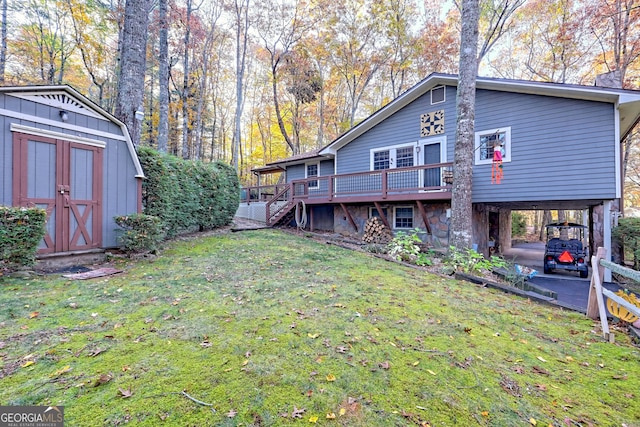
x: 437, y: 95
x: 61, y: 100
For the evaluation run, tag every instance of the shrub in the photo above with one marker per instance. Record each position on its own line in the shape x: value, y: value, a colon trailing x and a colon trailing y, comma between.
x: 142, y: 233
x: 21, y: 230
x: 405, y: 247
x: 628, y: 233
x: 188, y: 195
x: 470, y: 261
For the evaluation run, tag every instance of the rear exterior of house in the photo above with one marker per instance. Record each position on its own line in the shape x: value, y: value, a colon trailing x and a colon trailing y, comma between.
x: 559, y: 146
x: 61, y: 152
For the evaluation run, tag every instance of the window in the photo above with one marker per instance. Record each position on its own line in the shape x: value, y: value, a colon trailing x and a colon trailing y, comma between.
x: 489, y: 141
x: 437, y: 95
x: 404, y: 157
x: 397, y: 156
x: 312, y: 169
x: 381, y: 160
x: 403, y: 217
x: 373, y: 212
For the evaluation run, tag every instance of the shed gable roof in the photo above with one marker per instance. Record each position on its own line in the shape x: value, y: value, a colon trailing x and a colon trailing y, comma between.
x: 628, y: 101
x: 66, y: 98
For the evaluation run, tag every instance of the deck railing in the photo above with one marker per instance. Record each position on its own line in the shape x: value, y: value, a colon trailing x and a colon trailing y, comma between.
x: 361, y: 186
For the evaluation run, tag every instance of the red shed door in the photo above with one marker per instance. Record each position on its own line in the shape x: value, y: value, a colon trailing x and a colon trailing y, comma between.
x: 65, y: 178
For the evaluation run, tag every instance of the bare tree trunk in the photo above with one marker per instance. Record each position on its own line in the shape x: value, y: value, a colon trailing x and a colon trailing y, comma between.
x: 3, y: 42
x: 186, y: 129
x: 462, y: 212
x: 546, y: 219
x: 242, y: 37
x: 163, y: 77
x: 132, y: 66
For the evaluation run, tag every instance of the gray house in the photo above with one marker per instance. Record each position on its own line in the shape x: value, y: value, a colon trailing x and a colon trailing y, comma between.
x: 537, y: 146
x: 62, y: 152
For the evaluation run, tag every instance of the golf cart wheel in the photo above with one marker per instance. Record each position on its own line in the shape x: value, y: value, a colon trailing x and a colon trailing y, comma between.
x: 584, y: 274
x: 547, y: 270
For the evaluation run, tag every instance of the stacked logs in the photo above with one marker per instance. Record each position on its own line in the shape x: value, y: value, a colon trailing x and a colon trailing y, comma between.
x: 376, y: 232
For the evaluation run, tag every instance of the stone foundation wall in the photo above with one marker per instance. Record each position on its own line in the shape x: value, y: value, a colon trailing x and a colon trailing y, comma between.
x: 436, y: 218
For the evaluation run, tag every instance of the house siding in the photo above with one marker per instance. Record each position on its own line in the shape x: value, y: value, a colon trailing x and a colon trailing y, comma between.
x: 402, y: 127
x: 561, y: 149
x: 120, y: 187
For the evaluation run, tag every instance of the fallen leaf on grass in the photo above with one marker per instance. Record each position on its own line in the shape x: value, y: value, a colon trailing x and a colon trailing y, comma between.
x: 539, y: 370
x: 431, y: 372
x: 34, y: 314
x: 232, y: 413
x: 385, y: 365
x: 102, y: 379
x: 331, y: 416
x: 331, y: 377
x: 484, y: 413
x: 27, y: 364
x: 61, y: 371
x: 125, y: 393
x: 97, y: 351
x: 314, y: 336
x: 541, y: 387
x: 313, y: 419
x: 297, y: 413
x: 342, y: 411
x: 540, y: 358
x: 533, y: 421
x: 205, y: 344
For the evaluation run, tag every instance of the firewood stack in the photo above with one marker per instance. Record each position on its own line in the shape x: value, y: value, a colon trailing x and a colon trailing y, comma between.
x: 376, y: 232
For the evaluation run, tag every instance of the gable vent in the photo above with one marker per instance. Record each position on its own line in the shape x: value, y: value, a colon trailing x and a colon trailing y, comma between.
x: 61, y: 100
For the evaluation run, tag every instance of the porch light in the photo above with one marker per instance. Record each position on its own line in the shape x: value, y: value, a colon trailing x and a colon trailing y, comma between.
x: 64, y: 116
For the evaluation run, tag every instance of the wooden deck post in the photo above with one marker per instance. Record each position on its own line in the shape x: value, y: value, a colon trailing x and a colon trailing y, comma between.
x: 384, y: 176
x: 595, y: 304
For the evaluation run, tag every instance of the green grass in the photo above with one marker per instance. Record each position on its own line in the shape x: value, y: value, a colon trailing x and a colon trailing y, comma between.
x: 261, y: 323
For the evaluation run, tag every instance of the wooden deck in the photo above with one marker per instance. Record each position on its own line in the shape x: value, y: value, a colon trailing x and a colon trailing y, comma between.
x: 416, y: 183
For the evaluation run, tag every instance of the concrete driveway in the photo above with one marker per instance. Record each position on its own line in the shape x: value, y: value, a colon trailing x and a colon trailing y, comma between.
x: 573, y: 292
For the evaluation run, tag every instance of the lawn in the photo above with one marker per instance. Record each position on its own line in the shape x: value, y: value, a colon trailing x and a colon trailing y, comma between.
x: 267, y: 328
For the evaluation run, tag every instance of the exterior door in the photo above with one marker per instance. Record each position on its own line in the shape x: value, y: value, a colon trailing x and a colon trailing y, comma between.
x: 65, y: 179
x: 432, y: 156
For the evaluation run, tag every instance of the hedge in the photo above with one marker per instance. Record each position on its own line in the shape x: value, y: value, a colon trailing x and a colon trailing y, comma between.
x: 188, y: 195
x: 21, y: 230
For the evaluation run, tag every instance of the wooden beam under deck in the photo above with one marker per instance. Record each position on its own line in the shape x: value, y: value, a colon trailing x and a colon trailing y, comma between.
x: 423, y: 213
x: 383, y: 217
x: 349, y: 217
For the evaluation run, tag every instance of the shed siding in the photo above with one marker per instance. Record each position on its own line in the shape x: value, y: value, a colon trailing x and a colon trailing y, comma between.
x: 561, y: 149
x: 120, y: 187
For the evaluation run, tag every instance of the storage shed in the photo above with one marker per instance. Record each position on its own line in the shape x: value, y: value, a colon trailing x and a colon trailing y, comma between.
x: 64, y: 153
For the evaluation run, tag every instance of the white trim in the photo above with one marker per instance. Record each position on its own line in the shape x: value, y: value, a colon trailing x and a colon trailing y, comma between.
x: 306, y: 175
x: 444, y: 97
x: 60, y: 99
x: 507, y: 144
x: 441, y: 139
x: 392, y: 153
x: 56, y: 135
x: 413, y: 215
x: 59, y: 124
x: 606, y: 236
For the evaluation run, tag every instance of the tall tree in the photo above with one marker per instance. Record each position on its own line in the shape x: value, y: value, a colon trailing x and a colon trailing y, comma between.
x: 133, y: 49
x: 163, y: 77
x: 461, y: 204
x: 240, y: 9
x: 3, y: 41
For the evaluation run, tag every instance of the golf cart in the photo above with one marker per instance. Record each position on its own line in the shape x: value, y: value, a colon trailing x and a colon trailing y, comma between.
x: 564, y: 249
